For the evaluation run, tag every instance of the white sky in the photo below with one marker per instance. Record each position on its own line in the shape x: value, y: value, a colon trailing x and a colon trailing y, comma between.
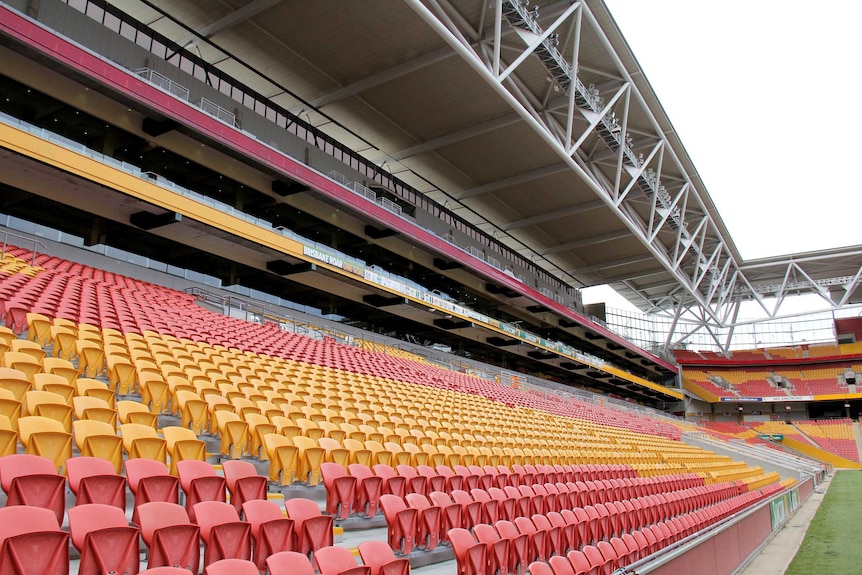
x: 765, y: 98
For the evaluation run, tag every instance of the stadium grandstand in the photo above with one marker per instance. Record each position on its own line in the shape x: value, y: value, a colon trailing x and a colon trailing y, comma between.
x: 285, y: 288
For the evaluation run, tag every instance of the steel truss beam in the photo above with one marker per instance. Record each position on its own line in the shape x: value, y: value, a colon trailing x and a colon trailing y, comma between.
x: 667, y: 213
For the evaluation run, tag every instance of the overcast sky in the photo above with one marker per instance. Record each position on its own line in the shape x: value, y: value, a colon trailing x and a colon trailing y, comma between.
x: 765, y: 98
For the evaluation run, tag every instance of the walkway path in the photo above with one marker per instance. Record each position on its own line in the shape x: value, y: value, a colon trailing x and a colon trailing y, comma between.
x: 780, y: 551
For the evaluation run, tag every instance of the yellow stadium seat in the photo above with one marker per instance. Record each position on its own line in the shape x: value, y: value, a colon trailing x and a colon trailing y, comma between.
x: 399, y: 456
x: 46, y: 437
x: 38, y: 328
x: 258, y: 426
x: 121, y: 373
x: 309, y: 458
x: 283, y: 458
x: 142, y: 441
x: 8, y: 437
x: 310, y: 428
x: 155, y: 392
x: 31, y: 348
x: 23, y: 363
x: 95, y: 409
x: 183, y: 444
x: 130, y: 411
x: 194, y: 411
x: 62, y: 367
x: 10, y: 407
x: 358, y: 452
x: 94, y: 388
x: 91, y: 357
x: 55, y: 384
x: 99, y: 439
x: 234, y: 434
x: 50, y: 405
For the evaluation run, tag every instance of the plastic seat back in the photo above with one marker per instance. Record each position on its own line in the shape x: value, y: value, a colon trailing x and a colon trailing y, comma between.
x: 31, y: 542
x: 289, y: 563
x: 369, y: 488
x: 223, y: 534
x: 33, y: 480
x: 313, y: 530
x: 106, y: 541
x: 380, y: 558
x: 200, y: 483
x: 470, y: 555
x: 94, y: 480
x: 171, y: 538
x: 231, y: 567
x: 401, y: 523
x: 271, y: 531
x: 243, y: 482
x: 340, y: 490
x: 339, y: 561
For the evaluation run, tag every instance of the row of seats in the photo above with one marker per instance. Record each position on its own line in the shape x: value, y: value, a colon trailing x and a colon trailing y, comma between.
x: 31, y: 541
x: 420, y: 520
x: 556, y: 548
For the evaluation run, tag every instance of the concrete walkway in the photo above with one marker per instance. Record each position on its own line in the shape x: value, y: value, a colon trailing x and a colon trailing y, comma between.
x: 776, y: 556
x: 858, y: 435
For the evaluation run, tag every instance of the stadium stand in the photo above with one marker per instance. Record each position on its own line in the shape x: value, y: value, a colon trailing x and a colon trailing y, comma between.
x: 558, y: 455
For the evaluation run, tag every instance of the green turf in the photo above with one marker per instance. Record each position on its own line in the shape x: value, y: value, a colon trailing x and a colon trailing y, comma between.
x: 831, y: 544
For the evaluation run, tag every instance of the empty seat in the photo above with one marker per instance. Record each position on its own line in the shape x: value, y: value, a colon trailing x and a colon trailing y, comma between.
x: 150, y: 481
x: 31, y: 542
x: 401, y: 522
x: 340, y: 490
x: 47, y: 438
x: 94, y: 480
x: 231, y: 567
x: 470, y: 555
x: 200, y: 482
x: 271, y: 531
x: 339, y: 561
x: 312, y: 529
x: 497, y: 552
x: 243, y: 482
x: 289, y: 563
x: 223, y: 534
x: 33, y: 480
x: 379, y: 557
x: 369, y: 487
x: 100, y: 440
x: 105, y: 540
x: 171, y: 539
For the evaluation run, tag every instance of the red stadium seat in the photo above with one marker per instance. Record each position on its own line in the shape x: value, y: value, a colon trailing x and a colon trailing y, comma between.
x: 31, y: 542
x: 243, y: 482
x: 339, y: 561
x: 105, y: 540
x: 231, y: 567
x: 429, y: 520
x: 200, y: 483
x: 470, y: 555
x: 368, y: 489
x: 289, y: 563
x: 497, y: 553
x: 519, y: 546
x: 223, y: 534
x: 33, y: 480
x: 271, y: 531
x: 340, y: 490
x: 312, y: 530
x: 379, y: 557
x: 93, y: 480
x: 149, y: 480
x: 402, y: 523
x: 172, y: 540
